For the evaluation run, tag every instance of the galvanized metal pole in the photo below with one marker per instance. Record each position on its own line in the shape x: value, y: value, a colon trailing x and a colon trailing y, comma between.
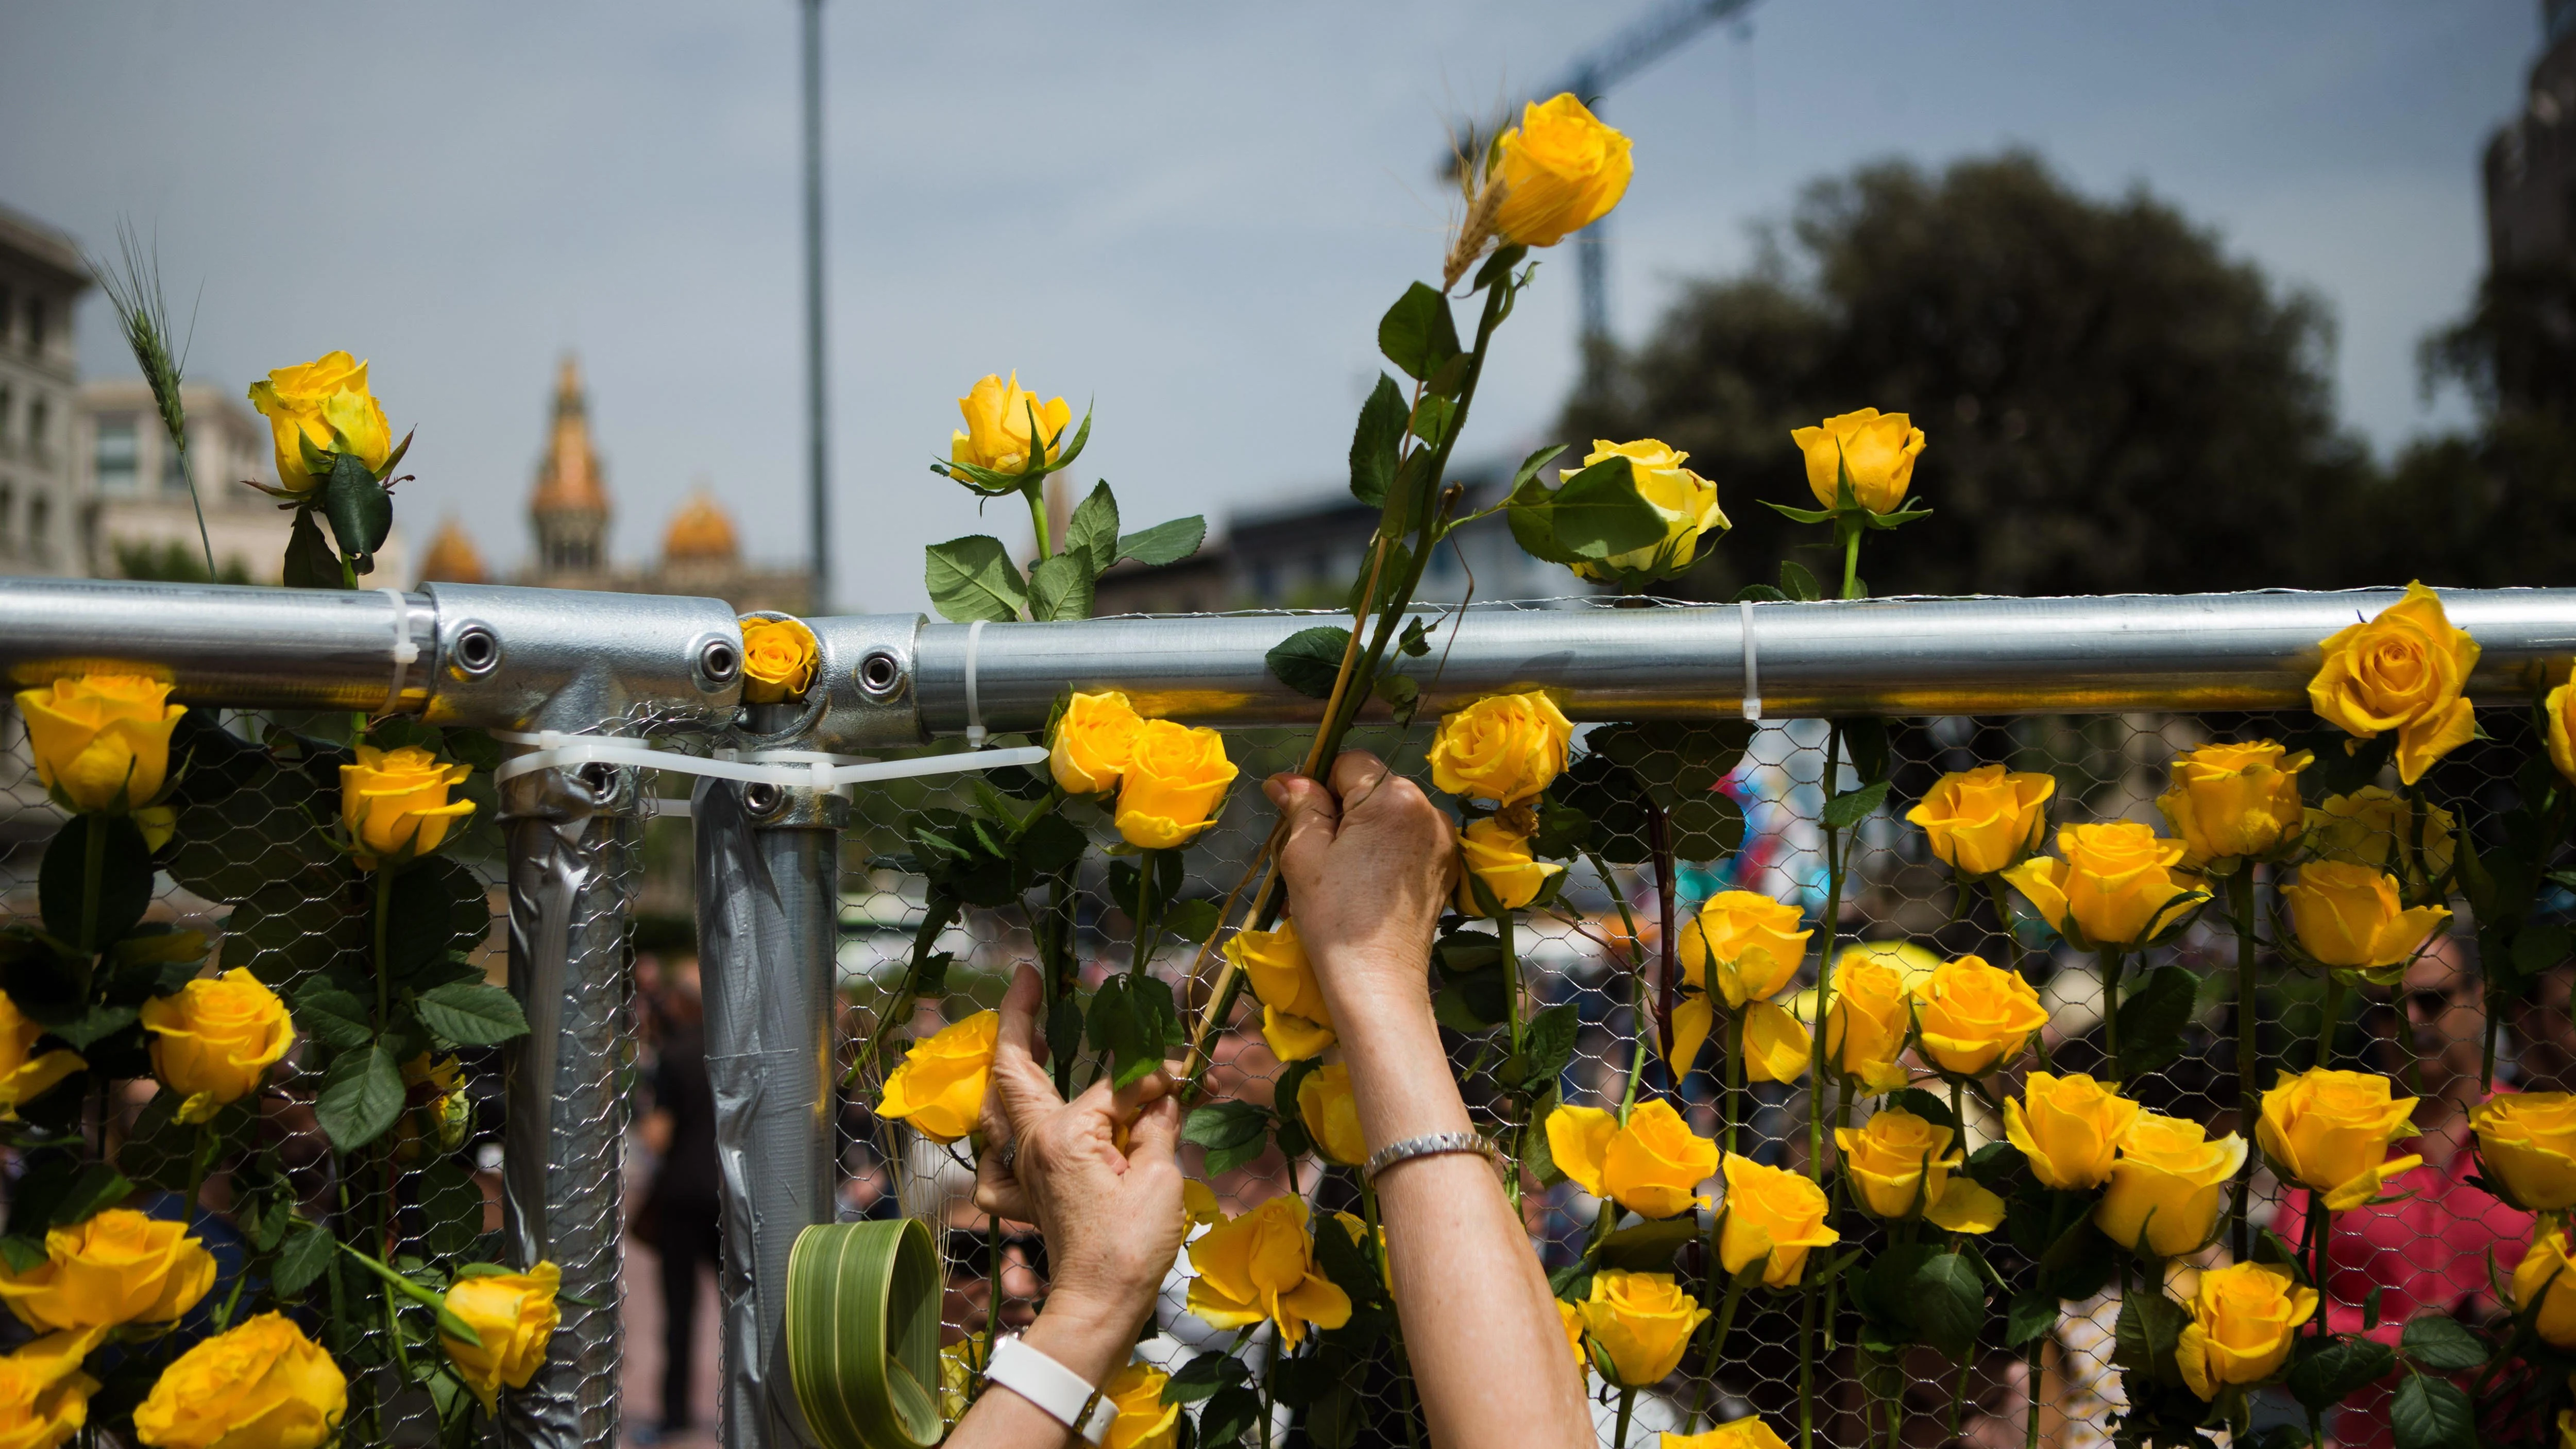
x: 817, y: 408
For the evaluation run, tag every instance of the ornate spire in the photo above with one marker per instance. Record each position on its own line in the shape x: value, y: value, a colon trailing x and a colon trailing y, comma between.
x: 570, y: 507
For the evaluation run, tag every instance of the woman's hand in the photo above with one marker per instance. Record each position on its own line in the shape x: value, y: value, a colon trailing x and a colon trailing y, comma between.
x: 1370, y: 864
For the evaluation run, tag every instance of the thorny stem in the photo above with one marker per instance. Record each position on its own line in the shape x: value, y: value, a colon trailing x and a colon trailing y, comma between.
x: 2240, y: 896
x: 1732, y: 1102
x: 1807, y: 1365
x: 1825, y: 964
x: 1627, y: 1406
x: 1717, y: 1341
x: 1659, y: 838
x: 1851, y: 560
x: 2333, y: 1018
x: 2110, y: 958
x: 1035, y: 494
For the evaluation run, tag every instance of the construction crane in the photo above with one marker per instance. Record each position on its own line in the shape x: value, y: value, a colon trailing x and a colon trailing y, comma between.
x: 1649, y: 39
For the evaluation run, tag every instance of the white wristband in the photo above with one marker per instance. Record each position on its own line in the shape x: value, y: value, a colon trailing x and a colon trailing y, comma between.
x: 1055, y: 1389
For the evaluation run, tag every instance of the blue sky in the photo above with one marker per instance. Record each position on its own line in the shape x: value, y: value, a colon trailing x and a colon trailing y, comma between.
x: 1189, y: 214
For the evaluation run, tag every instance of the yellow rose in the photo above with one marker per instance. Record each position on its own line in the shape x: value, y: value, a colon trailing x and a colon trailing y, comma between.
x: 324, y: 402
x: 515, y: 1316
x: 396, y: 800
x: 2117, y: 882
x: 1332, y: 1114
x: 2234, y: 802
x: 1295, y: 1019
x: 2242, y: 1320
x: 2068, y: 1128
x: 1685, y: 501
x: 2562, y: 750
x: 44, y: 1397
x: 1261, y: 1267
x: 1175, y: 780
x: 117, y: 1266
x: 258, y: 1385
x: 2527, y: 1140
x: 1506, y: 748
x: 1878, y: 448
x: 2402, y: 671
x: 1560, y: 169
x: 997, y: 426
x: 1572, y: 1318
x: 2567, y: 1429
x: 1771, y: 1210
x: 1865, y: 1028
x: 1898, y: 1160
x: 1094, y: 740
x: 2544, y: 1287
x: 1986, y: 819
x: 2167, y: 1185
x: 2350, y: 916
x: 1776, y: 1047
x: 1500, y: 858
x: 1144, y: 1421
x: 1752, y: 940
x: 1653, y: 1166
x: 2370, y: 827
x: 1199, y: 1204
x: 213, y: 1040
x: 1974, y: 1017
x: 101, y: 740
x: 960, y: 1364
x: 1748, y: 1432
x: 1641, y: 1322
x: 778, y: 660
x: 2330, y: 1131
x: 939, y: 1086
x: 25, y: 1076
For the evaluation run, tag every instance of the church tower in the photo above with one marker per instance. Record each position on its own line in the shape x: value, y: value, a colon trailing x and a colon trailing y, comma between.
x: 570, y: 508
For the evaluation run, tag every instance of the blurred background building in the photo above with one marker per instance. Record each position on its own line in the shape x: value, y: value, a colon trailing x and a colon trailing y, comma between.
x: 45, y: 523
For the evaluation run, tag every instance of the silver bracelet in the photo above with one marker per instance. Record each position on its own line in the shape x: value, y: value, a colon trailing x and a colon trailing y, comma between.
x: 1435, y: 1144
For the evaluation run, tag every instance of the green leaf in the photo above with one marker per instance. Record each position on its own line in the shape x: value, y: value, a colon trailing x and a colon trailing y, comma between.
x: 1924, y: 1105
x: 2430, y: 1413
x: 2152, y: 1020
x: 1950, y: 1304
x: 2325, y: 1376
x: 21, y: 1254
x: 1798, y: 582
x: 360, y: 510
x: 451, y: 1208
x: 2144, y: 1337
x: 1801, y: 515
x: 86, y: 1025
x: 2443, y: 1344
x: 1548, y: 1045
x: 1133, y: 1021
x: 124, y: 878
x: 1530, y: 465
x: 1847, y: 810
x: 280, y: 933
x: 1310, y: 660
x: 973, y: 578
x: 470, y: 1013
x: 1401, y: 694
x: 302, y: 1258
x: 310, y: 562
x: 1648, y: 1247
x: 1532, y: 516
x: 1164, y: 543
x: 362, y: 1094
x: 1064, y: 1028
x: 1376, y: 441
x: 94, y: 1188
x: 1416, y: 640
x: 1051, y: 843
x: 1432, y: 419
x: 1092, y: 531
x: 1599, y: 512
x: 1203, y: 1376
x: 1417, y: 334
x: 438, y: 907
x: 1191, y: 920
x: 2032, y: 1315
x: 1060, y: 587
x: 1233, y: 1411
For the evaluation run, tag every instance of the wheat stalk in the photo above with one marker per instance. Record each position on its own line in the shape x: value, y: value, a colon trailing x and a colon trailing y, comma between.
x: 134, y: 290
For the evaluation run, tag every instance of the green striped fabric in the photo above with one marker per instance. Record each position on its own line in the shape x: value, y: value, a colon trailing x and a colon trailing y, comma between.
x: 863, y: 1334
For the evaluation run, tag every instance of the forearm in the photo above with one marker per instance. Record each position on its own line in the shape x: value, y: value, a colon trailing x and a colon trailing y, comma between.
x: 1094, y: 1342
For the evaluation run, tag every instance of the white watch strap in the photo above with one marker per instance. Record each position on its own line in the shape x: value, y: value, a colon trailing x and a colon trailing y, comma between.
x: 1057, y: 1390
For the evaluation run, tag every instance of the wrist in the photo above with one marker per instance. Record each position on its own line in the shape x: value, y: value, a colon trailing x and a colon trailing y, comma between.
x: 1087, y: 1333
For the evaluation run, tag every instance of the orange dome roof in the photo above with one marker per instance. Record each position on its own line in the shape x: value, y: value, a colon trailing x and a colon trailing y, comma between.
x: 568, y: 479
x: 700, y: 531
x: 452, y: 558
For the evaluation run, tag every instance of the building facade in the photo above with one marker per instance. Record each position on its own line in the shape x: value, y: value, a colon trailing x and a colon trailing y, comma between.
x: 46, y: 524
x: 2530, y: 164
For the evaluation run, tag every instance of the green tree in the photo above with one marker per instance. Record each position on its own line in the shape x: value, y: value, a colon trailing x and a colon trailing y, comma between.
x: 2112, y: 402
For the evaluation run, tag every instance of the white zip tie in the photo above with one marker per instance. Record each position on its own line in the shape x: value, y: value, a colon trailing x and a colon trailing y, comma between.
x: 1752, y: 666
x: 787, y: 769
x: 974, y: 709
x: 406, y: 653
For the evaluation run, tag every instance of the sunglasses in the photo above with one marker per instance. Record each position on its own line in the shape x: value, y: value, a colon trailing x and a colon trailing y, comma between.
x: 970, y: 1252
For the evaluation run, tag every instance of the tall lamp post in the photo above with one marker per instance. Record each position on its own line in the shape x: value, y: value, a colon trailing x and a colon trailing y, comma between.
x: 817, y: 420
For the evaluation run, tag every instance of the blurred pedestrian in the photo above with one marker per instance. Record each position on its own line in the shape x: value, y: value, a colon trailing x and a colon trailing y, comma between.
x: 678, y: 1218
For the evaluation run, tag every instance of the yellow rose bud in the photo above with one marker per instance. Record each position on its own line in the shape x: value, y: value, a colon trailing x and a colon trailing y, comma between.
x: 25, y: 1073
x: 2544, y: 1286
x: 396, y: 801
x: 1641, y: 1322
x: 1878, y: 448
x: 1175, y: 780
x: 1776, y: 1047
x: 515, y: 1316
x: 1986, y: 819
x: 1094, y: 740
x: 2068, y: 1128
x: 117, y: 1266
x: 2117, y: 883
x: 1685, y: 501
x: 2527, y: 1141
x: 959, y: 1365
x: 1771, y: 1210
x: 1748, y: 1432
x: 1653, y: 1166
x: 1561, y: 170
x: 1260, y: 1267
x: 778, y: 660
x: 2330, y: 1131
x: 101, y: 740
x: 1295, y: 1019
x: 1752, y: 941
x: 939, y: 1085
x: 260, y: 1384
x: 324, y: 402
x: 2242, y: 1321
x: 431, y: 1091
x: 44, y: 1397
x: 2234, y: 802
x: 213, y: 1040
x: 2562, y: 749
x: 1332, y: 1115
x: 1866, y: 1027
x: 1506, y: 748
x: 2168, y: 1185
x: 1974, y: 1017
x: 1500, y: 858
x: 2371, y: 827
x: 2351, y: 916
x: 997, y: 426
x: 1901, y: 1161
x: 2403, y: 671
x: 1144, y: 1421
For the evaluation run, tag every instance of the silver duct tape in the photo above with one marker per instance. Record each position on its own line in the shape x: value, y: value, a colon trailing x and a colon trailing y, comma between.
x: 574, y: 841
x: 768, y: 888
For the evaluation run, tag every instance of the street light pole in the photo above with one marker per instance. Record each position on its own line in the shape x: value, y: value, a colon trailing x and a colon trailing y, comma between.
x: 817, y: 417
